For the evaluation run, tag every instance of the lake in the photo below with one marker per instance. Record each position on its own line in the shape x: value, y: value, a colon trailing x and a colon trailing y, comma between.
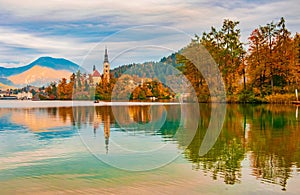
x: 146, y: 149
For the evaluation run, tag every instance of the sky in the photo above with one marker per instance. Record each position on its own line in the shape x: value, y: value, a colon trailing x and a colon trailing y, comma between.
x: 133, y: 31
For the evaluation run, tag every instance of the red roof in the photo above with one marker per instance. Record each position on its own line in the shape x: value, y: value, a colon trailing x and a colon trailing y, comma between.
x: 96, y: 74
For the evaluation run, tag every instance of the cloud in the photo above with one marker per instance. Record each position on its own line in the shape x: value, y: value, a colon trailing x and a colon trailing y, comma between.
x: 71, y: 28
x: 14, y: 42
x: 26, y: 40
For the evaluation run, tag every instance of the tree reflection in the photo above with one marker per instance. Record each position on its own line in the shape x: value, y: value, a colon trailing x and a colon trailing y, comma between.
x: 224, y: 158
x: 268, y: 133
x: 275, y: 142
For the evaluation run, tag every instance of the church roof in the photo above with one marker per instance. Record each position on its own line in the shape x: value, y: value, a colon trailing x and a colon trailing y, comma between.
x: 96, y: 74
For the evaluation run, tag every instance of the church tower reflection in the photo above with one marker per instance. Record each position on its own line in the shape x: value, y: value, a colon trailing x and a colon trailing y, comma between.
x: 102, y: 116
x: 106, y: 123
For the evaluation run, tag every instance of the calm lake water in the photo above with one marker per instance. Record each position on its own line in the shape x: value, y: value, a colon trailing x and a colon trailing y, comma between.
x: 148, y: 150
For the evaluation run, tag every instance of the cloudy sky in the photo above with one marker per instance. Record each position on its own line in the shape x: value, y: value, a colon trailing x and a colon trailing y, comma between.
x: 138, y: 31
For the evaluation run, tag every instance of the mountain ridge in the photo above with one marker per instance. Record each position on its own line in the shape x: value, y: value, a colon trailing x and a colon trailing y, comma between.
x: 46, y: 61
x: 38, y: 76
x: 55, y: 68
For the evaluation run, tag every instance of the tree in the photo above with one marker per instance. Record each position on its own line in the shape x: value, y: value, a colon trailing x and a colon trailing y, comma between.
x: 295, y: 68
x: 78, y: 79
x: 270, y: 57
x: 51, y: 91
x: 227, y: 50
x: 269, y: 33
x: 256, y: 61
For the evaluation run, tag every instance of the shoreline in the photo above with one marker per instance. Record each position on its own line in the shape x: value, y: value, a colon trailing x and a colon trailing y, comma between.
x: 78, y: 103
x: 70, y: 103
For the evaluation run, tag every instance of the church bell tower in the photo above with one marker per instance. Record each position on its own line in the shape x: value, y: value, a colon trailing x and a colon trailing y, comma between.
x: 106, y: 67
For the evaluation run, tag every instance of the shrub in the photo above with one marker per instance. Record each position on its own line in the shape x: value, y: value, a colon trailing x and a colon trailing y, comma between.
x: 246, y: 96
x: 280, y: 98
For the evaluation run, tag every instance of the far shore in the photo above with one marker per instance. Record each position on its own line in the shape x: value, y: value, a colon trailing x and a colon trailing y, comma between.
x: 70, y: 103
x: 79, y: 103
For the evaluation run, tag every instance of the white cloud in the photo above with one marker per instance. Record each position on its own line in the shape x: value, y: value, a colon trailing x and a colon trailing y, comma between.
x: 14, y: 42
x: 190, y: 16
x: 26, y: 40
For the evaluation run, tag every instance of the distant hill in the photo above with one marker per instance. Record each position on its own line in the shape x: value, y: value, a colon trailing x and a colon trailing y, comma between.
x: 149, y: 69
x: 38, y: 76
x: 4, y: 87
x: 39, y: 72
x: 54, y: 63
x: 5, y: 81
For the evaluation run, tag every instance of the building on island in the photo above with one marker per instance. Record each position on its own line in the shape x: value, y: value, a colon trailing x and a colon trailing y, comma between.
x: 3, y: 93
x: 97, y: 77
x: 24, y: 95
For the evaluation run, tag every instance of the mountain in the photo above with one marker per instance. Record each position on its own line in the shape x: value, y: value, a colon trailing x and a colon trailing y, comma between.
x: 40, y: 72
x: 54, y: 63
x: 5, y: 81
x: 4, y: 87
x: 39, y: 76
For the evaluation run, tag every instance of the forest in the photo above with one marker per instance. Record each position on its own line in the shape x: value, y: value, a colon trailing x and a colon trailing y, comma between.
x: 266, y: 69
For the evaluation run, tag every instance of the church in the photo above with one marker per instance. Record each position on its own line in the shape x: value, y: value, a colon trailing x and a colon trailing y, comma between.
x: 97, y: 77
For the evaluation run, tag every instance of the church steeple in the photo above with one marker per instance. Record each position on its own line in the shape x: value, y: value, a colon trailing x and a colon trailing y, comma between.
x: 106, y: 56
x: 106, y: 67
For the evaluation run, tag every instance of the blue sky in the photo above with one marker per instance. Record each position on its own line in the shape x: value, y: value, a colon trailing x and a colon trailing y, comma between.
x: 133, y: 31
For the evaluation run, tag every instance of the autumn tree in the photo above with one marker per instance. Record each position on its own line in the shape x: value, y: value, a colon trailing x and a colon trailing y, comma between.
x: 227, y: 50
x: 295, y: 70
x: 256, y: 61
x: 51, y: 91
x: 78, y: 80
x: 270, y: 59
x: 62, y: 89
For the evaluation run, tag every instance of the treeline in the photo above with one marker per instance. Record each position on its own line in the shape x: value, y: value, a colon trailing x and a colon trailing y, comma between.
x: 130, y: 87
x: 82, y: 87
x: 267, y: 71
x: 149, y: 69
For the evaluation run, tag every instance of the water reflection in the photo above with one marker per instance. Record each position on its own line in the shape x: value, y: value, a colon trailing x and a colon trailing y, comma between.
x: 274, y: 141
x: 266, y: 136
x: 224, y: 159
x: 268, y: 133
x: 46, y: 123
